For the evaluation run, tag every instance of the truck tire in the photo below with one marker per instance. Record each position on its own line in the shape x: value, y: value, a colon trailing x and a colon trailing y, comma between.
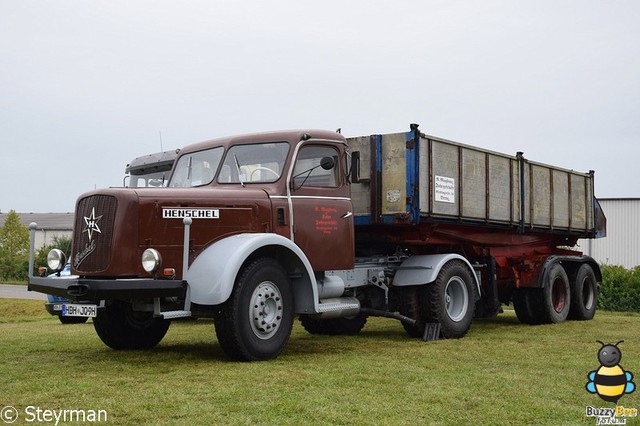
x: 410, y: 301
x: 256, y: 321
x: 451, y: 299
x: 555, y: 297
x: 334, y: 326
x: 120, y: 327
x: 584, y: 294
x: 526, y: 303
x: 521, y: 305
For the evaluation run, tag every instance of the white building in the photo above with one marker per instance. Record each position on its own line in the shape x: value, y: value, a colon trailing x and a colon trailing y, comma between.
x: 50, y: 225
x: 621, y: 246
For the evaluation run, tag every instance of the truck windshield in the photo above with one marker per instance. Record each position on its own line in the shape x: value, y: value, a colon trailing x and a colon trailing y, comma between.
x: 196, y: 168
x: 255, y: 163
x: 156, y: 179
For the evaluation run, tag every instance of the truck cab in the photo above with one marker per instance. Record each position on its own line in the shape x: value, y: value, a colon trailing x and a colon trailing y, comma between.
x: 279, y: 200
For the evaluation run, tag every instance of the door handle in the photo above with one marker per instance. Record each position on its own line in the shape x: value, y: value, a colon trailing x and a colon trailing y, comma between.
x: 347, y: 214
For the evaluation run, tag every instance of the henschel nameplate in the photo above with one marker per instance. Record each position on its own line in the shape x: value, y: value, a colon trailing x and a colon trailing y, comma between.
x: 192, y: 213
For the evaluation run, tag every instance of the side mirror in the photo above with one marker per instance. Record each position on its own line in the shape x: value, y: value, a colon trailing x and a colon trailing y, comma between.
x: 327, y: 163
x: 355, y: 167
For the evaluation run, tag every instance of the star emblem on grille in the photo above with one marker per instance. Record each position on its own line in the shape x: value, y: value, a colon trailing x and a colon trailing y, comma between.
x: 92, y: 223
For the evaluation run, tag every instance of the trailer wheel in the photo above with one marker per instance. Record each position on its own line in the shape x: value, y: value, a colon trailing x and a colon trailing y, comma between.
x: 556, y: 296
x: 255, y: 323
x: 451, y: 299
x: 584, y: 294
x: 333, y: 326
x: 120, y: 327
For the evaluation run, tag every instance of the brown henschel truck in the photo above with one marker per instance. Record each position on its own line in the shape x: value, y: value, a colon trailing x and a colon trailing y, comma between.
x: 254, y: 230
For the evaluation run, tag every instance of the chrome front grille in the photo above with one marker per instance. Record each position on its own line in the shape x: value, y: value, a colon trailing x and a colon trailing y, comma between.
x: 93, y: 233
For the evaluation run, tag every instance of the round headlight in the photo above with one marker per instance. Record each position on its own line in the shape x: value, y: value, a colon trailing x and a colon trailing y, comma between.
x: 151, y: 260
x: 56, y: 260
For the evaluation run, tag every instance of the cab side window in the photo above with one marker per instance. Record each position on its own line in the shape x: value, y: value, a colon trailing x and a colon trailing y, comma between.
x: 310, y: 170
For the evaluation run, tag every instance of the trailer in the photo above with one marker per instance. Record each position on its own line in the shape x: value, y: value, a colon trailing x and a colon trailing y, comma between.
x: 515, y: 220
x: 255, y: 230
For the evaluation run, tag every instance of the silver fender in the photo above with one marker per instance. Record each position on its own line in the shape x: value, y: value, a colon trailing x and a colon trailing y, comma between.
x: 213, y: 273
x: 424, y: 269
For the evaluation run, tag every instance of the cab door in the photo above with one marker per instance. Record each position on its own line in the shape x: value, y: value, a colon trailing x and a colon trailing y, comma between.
x: 322, y: 209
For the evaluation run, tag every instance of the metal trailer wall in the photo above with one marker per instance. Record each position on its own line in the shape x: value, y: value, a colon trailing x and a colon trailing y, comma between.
x: 428, y: 177
x: 622, y: 245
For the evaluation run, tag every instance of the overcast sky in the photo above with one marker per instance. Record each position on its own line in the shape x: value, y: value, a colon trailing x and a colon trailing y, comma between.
x: 86, y: 86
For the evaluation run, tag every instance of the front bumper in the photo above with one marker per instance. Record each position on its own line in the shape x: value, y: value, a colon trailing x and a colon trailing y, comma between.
x: 91, y: 289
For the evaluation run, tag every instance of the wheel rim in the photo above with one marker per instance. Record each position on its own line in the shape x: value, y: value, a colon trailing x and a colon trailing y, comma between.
x: 558, y: 294
x: 265, y: 310
x: 456, y: 299
x: 588, y: 294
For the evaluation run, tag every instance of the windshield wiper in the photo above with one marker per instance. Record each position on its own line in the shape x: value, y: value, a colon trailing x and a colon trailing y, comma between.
x: 188, y: 182
x: 235, y: 157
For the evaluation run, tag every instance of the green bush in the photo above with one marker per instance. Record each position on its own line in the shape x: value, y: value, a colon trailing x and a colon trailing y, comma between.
x: 14, y: 249
x: 620, y: 290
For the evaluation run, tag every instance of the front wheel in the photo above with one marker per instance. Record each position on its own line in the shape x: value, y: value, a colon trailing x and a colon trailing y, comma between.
x: 120, y: 327
x: 451, y: 299
x: 256, y: 321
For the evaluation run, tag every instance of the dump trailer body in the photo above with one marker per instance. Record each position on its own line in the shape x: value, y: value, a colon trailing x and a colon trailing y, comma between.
x: 512, y: 218
x: 411, y: 177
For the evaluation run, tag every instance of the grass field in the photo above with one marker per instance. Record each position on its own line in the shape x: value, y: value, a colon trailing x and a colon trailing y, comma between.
x: 502, y: 372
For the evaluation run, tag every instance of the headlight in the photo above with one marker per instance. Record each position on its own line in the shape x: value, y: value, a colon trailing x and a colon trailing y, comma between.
x: 56, y: 260
x: 151, y: 260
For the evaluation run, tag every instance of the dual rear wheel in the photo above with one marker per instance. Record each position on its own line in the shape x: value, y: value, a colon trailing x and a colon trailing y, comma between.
x: 561, y: 299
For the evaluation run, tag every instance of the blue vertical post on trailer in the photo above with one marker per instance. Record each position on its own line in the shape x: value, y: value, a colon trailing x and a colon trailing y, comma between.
x: 413, y: 173
x: 376, y: 180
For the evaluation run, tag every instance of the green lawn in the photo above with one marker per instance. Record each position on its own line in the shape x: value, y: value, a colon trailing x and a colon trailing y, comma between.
x: 502, y: 372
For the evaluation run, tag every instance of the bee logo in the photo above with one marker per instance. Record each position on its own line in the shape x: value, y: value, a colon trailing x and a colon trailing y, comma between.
x: 610, y: 381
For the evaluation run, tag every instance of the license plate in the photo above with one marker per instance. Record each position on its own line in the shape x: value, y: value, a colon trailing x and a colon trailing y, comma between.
x: 73, y: 310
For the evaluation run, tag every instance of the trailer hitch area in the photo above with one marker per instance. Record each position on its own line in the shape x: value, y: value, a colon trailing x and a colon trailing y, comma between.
x: 78, y: 290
